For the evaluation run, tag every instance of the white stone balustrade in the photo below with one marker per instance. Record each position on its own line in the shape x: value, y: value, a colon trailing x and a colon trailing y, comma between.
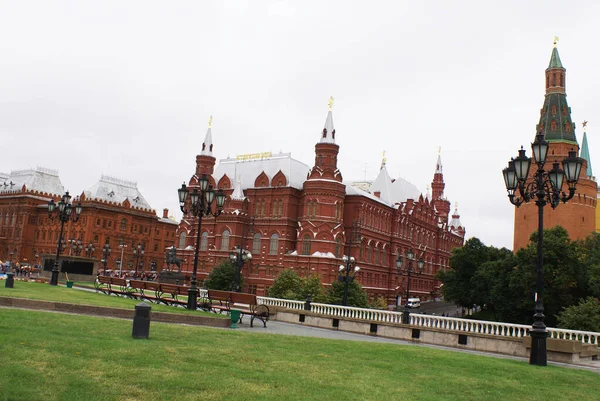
x: 430, y: 321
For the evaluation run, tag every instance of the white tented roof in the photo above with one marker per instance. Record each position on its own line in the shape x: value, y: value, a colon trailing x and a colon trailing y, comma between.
x: 38, y: 179
x: 247, y: 170
x: 393, y: 192
x: 117, y: 190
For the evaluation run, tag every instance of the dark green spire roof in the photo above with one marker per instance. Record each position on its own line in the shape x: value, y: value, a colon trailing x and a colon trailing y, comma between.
x: 585, y: 154
x: 555, y: 60
x: 555, y: 120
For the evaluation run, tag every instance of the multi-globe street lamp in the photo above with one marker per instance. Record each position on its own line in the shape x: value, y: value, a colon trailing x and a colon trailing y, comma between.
x: 347, y: 272
x: 239, y: 256
x: 408, y: 270
x: 545, y: 187
x: 106, y: 250
x: 200, y: 204
x: 138, y: 252
x: 90, y: 249
x: 64, y: 212
x: 76, y: 246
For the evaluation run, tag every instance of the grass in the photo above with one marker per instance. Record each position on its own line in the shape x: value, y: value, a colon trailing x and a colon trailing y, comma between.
x: 46, y: 292
x: 52, y: 356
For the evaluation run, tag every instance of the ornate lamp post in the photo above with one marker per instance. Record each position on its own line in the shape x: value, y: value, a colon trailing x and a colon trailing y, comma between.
x: 64, y: 214
x: 347, y: 272
x: 239, y: 256
x: 410, y: 257
x: 90, y: 249
x: 200, y: 205
x: 106, y: 250
x: 76, y: 246
x: 545, y: 187
x: 138, y: 252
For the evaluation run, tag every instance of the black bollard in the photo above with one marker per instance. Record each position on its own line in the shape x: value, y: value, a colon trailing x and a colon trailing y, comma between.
x: 307, y: 302
x: 10, y: 280
x: 141, y: 320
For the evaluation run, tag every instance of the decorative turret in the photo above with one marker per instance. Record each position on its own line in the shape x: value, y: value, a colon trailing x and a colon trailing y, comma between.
x: 455, y: 224
x: 437, y: 186
x: 205, y: 161
x: 585, y: 152
x: 555, y: 117
x: 326, y: 152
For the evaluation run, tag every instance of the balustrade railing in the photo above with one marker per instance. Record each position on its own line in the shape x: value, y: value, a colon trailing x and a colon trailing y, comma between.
x: 429, y: 321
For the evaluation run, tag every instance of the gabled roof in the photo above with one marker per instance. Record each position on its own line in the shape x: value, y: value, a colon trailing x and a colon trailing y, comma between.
x: 249, y: 169
x: 117, y: 190
x: 39, y: 179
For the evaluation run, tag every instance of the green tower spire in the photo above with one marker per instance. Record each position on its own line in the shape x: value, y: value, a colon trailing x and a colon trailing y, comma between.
x: 555, y: 59
x: 585, y: 153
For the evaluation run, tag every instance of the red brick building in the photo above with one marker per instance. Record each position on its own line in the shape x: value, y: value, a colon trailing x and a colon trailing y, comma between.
x: 114, y: 212
x: 290, y: 215
x: 578, y: 215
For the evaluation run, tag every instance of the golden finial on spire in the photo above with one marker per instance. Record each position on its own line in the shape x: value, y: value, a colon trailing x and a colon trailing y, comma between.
x: 330, y: 103
x: 210, y: 122
x: 383, y: 157
x: 555, y: 40
x: 439, y: 150
x: 584, y: 124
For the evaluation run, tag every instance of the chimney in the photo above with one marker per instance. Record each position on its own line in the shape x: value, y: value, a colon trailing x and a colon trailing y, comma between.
x: 377, y: 194
x: 165, y: 213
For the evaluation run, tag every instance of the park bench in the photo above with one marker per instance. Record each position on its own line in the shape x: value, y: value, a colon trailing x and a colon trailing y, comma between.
x: 247, y: 304
x: 146, y: 290
x: 113, y: 285
x: 169, y: 294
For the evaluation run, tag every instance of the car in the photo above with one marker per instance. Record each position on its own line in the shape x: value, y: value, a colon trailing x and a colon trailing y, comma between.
x: 413, y: 303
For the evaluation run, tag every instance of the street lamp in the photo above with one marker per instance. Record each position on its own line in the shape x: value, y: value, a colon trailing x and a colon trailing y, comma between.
x: 200, y: 205
x: 545, y: 187
x: 64, y: 212
x: 410, y: 257
x: 123, y: 246
x: 76, y: 246
x: 90, y: 249
x: 138, y: 252
x: 239, y: 256
x: 347, y: 272
x: 106, y: 250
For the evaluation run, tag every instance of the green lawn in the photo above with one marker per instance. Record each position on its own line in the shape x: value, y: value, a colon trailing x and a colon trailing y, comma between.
x: 53, y: 356
x: 46, y: 292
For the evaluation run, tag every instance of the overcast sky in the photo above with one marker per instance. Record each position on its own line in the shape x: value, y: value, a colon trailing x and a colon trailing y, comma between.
x: 125, y: 88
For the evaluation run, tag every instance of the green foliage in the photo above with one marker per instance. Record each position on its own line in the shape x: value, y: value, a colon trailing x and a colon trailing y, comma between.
x: 504, y: 284
x: 311, y: 286
x: 379, y: 303
x: 584, y: 316
x: 287, y: 285
x: 222, y: 277
x: 356, y: 295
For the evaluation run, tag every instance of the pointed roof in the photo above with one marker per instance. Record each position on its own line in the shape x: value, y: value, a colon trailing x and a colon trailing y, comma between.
x: 438, y: 165
x: 455, y: 222
x: 207, y: 145
x: 114, y: 189
x: 585, y: 154
x: 393, y: 191
x: 555, y: 59
x: 38, y: 179
x: 328, y: 135
x: 238, y: 194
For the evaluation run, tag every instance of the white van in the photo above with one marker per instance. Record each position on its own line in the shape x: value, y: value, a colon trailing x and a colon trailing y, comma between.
x: 413, y: 303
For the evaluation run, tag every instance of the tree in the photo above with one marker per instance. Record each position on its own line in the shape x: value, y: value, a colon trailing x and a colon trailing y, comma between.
x: 590, y: 255
x: 356, y: 295
x: 584, y: 316
x: 287, y: 285
x: 222, y: 277
x: 311, y: 286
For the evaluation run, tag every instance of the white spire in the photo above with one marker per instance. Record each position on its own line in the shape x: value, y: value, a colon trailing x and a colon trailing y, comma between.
x: 238, y: 194
x: 328, y: 134
x: 455, y: 222
x: 438, y: 166
x: 207, y: 145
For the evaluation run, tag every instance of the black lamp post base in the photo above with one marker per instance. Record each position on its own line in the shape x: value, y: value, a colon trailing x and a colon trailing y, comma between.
x: 406, y: 316
x: 192, y: 298
x: 54, y: 278
x: 538, y: 347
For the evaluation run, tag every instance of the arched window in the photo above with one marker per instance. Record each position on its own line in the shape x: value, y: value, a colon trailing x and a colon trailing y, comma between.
x: 256, y: 244
x: 204, y: 241
x: 368, y: 253
x: 306, y: 245
x: 123, y: 224
x: 280, y: 208
x: 338, y: 247
x: 376, y: 254
x: 225, y: 241
x: 274, y: 244
x: 182, y: 240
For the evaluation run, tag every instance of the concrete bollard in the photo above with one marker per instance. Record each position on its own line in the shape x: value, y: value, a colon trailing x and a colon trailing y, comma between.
x: 10, y: 280
x: 141, y: 320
